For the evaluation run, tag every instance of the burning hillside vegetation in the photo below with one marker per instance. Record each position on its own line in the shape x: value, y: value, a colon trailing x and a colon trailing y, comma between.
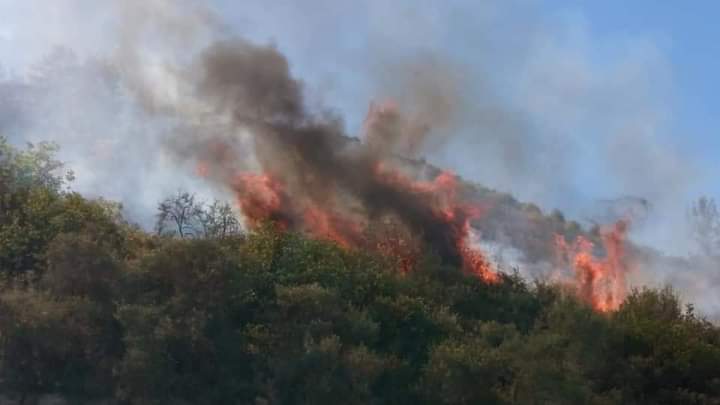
x: 308, y: 176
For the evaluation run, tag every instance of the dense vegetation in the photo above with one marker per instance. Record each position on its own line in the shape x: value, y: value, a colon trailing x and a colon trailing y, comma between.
x: 93, y: 308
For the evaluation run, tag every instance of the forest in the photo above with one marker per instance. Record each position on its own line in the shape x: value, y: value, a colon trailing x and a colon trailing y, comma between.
x: 201, y: 311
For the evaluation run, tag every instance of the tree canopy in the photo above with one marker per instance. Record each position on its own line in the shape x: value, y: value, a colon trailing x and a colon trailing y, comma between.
x: 93, y: 308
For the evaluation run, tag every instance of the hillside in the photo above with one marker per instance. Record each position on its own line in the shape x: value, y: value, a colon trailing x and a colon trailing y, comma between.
x: 92, y: 308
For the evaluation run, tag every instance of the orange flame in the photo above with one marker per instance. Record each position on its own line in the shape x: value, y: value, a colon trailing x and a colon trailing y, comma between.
x: 444, y: 190
x: 474, y: 260
x: 260, y: 197
x: 599, y: 281
x: 398, y: 247
x: 330, y: 226
x: 437, y: 212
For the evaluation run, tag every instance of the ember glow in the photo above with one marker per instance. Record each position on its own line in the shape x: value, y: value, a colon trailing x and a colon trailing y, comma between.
x: 443, y: 192
x: 330, y: 226
x: 600, y: 281
x: 261, y: 198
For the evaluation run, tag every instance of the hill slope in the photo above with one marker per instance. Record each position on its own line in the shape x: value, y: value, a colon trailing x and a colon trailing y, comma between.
x: 92, y: 308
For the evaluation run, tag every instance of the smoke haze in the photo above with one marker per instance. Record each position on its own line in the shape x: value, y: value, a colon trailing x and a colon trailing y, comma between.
x: 134, y: 91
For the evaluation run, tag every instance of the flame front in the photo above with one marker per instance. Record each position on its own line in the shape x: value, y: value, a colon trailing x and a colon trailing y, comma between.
x: 306, y: 175
x: 601, y: 282
x: 261, y: 197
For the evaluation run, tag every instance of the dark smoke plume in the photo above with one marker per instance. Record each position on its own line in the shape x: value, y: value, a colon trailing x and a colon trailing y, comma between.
x: 511, y: 100
x: 308, y: 155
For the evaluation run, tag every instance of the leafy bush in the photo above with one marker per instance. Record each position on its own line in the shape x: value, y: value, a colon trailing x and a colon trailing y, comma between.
x: 91, y: 307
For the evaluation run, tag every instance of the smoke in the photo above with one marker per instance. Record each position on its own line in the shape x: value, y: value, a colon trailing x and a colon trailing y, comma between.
x: 90, y: 93
x: 500, y: 92
x: 424, y: 101
x: 309, y: 167
x: 532, y: 112
x: 227, y: 104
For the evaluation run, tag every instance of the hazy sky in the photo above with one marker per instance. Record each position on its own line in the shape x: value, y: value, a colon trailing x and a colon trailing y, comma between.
x: 566, y: 102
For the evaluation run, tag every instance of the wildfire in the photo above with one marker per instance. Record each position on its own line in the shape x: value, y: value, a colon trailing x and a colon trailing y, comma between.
x: 474, y: 260
x: 391, y: 242
x: 330, y: 226
x: 261, y: 197
x: 598, y: 281
x: 447, y: 209
x: 312, y: 179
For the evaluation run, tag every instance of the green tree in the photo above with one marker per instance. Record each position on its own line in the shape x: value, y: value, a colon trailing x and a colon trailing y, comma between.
x: 669, y: 354
x: 52, y: 345
x: 470, y: 370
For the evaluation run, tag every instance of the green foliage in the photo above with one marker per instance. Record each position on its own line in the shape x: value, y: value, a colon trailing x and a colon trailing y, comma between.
x: 34, y: 208
x: 92, y: 308
x: 472, y: 369
x: 34, y: 167
x: 671, y: 355
x: 80, y: 265
x: 66, y: 345
x: 27, y: 229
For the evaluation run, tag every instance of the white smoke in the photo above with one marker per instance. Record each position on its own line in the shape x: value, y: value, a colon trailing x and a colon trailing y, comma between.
x: 549, y: 111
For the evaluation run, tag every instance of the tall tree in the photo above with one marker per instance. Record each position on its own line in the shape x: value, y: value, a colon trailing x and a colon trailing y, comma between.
x: 219, y: 221
x: 185, y: 216
x: 180, y: 215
